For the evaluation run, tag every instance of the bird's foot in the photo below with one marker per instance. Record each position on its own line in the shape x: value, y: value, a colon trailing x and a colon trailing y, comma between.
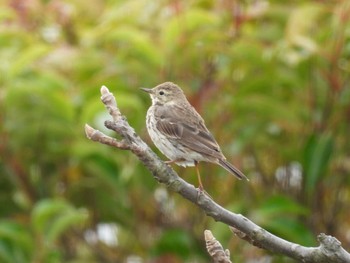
x: 201, y: 191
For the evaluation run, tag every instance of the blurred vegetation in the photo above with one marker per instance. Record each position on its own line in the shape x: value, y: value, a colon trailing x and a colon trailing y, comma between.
x: 271, y: 79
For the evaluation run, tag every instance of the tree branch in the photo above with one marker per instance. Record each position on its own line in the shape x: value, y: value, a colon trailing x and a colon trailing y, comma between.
x: 329, y: 250
x: 215, y: 249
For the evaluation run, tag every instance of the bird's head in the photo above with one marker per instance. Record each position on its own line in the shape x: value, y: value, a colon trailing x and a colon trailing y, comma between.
x: 166, y: 92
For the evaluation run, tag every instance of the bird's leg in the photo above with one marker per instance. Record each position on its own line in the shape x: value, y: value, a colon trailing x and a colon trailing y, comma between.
x: 201, y: 188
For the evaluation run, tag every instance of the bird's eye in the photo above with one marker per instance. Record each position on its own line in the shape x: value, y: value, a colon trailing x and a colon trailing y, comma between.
x: 161, y: 92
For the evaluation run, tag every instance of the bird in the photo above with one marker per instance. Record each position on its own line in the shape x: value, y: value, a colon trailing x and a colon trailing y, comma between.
x: 179, y: 131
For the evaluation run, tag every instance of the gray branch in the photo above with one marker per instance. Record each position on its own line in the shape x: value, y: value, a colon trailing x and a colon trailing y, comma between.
x: 329, y: 250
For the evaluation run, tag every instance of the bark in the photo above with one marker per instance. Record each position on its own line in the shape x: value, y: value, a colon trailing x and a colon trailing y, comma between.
x: 329, y: 250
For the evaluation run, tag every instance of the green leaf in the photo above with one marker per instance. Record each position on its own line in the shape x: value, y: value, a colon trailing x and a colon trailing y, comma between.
x: 291, y: 229
x: 175, y: 241
x: 317, y: 154
x: 134, y: 44
x: 281, y: 205
x: 194, y: 21
x: 64, y: 221
x: 5, y: 253
x: 51, y: 218
x: 15, y: 242
x: 103, y: 165
x: 46, y: 210
x: 27, y: 57
x: 300, y: 30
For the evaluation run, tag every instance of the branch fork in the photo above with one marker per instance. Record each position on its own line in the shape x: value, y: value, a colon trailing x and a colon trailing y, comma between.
x: 330, y: 249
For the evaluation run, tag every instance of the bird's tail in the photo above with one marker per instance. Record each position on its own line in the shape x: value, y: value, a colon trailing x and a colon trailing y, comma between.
x: 233, y: 170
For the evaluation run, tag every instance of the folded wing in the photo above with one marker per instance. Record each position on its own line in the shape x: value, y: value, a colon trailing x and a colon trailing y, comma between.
x: 188, y: 130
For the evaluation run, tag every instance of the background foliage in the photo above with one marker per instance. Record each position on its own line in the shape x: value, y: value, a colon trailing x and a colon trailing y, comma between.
x: 271, y: 79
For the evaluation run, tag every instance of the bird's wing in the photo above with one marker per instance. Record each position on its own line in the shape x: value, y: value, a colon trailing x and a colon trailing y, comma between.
x: 187, y: 128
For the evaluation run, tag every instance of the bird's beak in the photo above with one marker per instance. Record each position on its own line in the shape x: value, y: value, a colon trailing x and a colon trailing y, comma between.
x: 146, y: 90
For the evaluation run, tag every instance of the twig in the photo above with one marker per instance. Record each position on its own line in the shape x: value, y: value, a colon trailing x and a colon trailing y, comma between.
x: 215, y: 249
x: 329, y: 250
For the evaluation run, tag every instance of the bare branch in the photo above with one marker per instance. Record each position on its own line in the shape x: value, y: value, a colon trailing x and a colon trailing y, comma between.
x: 215, y: 249
x: 330, y: 249
x: 97, y: 136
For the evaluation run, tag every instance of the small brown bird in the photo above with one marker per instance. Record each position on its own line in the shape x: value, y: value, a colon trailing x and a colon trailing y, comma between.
x: 179, y: 132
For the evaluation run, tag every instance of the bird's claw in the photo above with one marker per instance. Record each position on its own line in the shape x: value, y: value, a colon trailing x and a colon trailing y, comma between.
x: 201, y: 191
